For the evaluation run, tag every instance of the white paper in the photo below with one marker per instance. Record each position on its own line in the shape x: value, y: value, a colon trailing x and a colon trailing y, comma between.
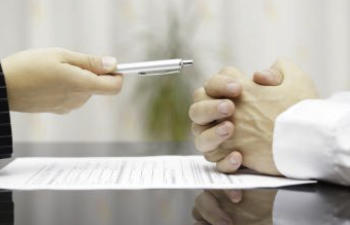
x: 159, y: 172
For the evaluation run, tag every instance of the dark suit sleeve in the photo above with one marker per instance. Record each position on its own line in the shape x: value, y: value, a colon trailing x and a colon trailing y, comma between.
x: 5, y: 123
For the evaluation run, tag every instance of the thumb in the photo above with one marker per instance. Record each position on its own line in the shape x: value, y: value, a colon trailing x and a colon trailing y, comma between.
x: 295, y: 78
x: 270, y: 77
x: 232, y: 72
x: 95, y: 64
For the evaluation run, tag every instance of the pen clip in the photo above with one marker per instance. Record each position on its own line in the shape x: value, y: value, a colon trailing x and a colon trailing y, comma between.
x: 159, y: 73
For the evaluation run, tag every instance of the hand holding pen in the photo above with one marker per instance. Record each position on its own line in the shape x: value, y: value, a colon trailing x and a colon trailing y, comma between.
x: 58, y: 80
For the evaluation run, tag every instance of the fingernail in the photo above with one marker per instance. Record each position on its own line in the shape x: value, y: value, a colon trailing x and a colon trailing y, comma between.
x: 269, y: 75
x: 234, y: 88
x: 223, y: 130
x: 109, y: 62
x: 235, y: 160
x: 224, y: 108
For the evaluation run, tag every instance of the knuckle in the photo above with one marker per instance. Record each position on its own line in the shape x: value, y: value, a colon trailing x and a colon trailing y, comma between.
x: 229, y: 145
x: 228, y: 70
x: 192, y: 112
x: 197, y: 144
x: 222, y: 168
x: 214, y: 156
x: 209, y: 158
x: 197, y: 114
x: 195, y: 129
x: 59, y: 51
x: 207, y: 83
x: 197, y: 94
x: 201, y: 145
x: 231, y: 72
x: 213, y: 86
x: 209, y: 88
x: 92, y: 61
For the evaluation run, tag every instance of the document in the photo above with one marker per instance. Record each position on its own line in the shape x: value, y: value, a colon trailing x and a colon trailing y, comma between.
x: 156, y: 172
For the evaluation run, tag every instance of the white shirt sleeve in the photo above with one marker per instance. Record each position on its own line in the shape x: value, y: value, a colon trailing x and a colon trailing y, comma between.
x: 312, y: 140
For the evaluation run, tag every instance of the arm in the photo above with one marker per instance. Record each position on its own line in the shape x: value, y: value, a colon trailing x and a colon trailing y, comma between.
x: 252, y: 117
x: 5, y: 125
x: 57, y: 80
x: 51, y: 80
x: 312, y: 140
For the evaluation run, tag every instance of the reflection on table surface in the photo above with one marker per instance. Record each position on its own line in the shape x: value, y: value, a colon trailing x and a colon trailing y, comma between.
x: 317, y: 204
x: 309, y: 204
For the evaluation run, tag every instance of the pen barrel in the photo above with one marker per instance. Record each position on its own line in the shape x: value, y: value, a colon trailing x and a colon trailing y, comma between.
x: 151, y: 67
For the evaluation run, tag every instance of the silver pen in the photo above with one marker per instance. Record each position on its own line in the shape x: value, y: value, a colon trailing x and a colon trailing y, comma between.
x: 152, y: 68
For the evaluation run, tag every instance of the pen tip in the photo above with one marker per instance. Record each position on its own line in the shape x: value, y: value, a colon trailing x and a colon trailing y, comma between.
x: 187, y: 62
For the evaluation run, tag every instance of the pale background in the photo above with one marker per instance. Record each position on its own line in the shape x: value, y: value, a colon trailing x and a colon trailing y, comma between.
x: 248, y: 34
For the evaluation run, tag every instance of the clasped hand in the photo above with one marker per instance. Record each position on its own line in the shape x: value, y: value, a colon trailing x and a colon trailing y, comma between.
x: 233, y: 116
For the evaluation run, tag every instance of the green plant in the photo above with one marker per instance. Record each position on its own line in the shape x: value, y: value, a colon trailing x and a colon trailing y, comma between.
x: 167, y: 98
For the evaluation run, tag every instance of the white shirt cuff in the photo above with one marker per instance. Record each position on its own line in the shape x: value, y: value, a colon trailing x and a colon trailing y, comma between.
x: 312, y: 141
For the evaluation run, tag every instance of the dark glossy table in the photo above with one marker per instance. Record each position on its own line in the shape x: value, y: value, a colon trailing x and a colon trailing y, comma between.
x: 309, y: 204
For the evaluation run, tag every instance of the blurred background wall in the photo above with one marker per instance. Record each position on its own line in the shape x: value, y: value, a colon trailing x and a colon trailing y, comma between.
x: 248, y: 34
